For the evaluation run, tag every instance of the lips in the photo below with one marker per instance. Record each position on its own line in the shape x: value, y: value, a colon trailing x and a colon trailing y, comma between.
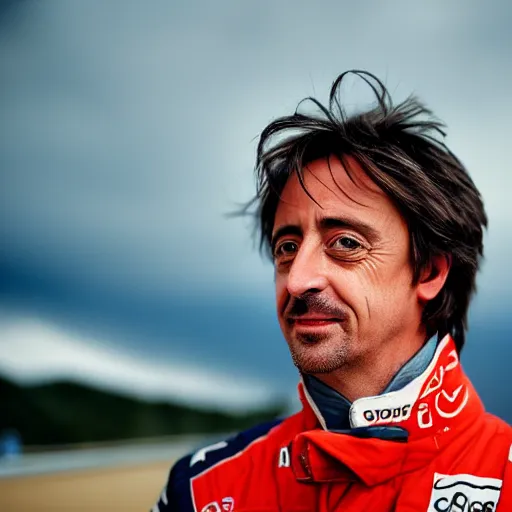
x: 313, y: 321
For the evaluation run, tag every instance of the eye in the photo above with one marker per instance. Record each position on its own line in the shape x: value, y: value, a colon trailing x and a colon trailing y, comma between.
x: 286, y: 248
x: 346, y: 242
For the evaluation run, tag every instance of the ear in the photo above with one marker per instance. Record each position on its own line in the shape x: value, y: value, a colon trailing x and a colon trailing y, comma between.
x: 433, y: 277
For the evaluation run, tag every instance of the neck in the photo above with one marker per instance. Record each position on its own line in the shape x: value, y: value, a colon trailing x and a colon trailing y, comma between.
x: 371, y: 375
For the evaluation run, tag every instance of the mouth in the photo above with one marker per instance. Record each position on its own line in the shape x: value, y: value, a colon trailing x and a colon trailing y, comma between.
x: 304, y: 321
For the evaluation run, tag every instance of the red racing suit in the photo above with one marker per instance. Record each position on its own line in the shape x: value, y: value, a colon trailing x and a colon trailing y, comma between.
x: 429, y: 446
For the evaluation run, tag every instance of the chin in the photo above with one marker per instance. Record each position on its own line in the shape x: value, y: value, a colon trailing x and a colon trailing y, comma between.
x: 319, y: 356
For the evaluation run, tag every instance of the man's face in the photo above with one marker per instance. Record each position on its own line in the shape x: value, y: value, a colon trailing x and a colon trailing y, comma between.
x: 343, y: 277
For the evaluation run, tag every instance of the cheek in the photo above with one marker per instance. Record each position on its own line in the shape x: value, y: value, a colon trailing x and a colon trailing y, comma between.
x: 352, y: 287
x: 370, y: 289
x: 386, y: 291
x: 281, y: 292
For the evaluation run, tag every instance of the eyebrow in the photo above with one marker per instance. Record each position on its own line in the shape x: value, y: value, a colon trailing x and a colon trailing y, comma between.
x: 341, y: 222
x: 327, y: 223
x: 288, y: 229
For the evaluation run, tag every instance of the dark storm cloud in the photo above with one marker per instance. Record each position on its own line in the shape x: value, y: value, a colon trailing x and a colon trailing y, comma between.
x: 127, y: 132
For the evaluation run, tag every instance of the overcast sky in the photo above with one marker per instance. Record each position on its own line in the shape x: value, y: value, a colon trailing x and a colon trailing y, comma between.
x: 128, y: 131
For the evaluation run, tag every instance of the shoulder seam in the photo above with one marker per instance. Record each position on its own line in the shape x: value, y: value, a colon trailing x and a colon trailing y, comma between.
x: 234, y: 456
x: 228, y: 459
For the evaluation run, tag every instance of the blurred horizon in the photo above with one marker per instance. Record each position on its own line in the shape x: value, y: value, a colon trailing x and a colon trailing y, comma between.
x: 129, y: 131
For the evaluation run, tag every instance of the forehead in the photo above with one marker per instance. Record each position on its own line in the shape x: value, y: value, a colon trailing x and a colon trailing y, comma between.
x: 337, y: 191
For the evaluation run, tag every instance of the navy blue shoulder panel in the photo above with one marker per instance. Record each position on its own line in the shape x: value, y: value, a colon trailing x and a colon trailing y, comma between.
x: 177, y: 496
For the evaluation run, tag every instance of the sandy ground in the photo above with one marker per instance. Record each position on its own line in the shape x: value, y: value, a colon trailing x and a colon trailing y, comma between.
x: 127, y: 489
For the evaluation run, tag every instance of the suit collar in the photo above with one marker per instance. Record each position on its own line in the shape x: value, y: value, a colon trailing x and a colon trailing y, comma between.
x: 335, y: 408
x: 432, y: 410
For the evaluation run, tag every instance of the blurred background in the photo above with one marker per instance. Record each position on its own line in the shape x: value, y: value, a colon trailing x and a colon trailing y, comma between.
x: 137, y: 320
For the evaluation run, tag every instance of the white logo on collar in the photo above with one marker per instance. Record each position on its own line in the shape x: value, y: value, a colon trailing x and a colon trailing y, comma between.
x: 397, y: 406
x: 379, y: 410
x: 464, y: 493
x: 387, y: 415
x: 451, y: 404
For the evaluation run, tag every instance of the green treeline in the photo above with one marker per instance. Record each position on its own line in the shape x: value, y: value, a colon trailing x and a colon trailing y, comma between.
x: 62, y: 413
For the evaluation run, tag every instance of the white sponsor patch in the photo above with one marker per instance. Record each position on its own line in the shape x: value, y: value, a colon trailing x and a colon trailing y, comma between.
x: 464, y: 493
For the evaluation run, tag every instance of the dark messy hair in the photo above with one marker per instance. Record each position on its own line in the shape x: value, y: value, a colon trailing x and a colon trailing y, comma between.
x: 400, y: 148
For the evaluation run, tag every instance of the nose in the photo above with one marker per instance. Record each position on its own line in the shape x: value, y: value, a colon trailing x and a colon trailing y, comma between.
x: 307, y: 273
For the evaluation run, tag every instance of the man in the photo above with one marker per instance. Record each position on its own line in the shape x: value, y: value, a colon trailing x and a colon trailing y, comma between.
x: 375, y: 230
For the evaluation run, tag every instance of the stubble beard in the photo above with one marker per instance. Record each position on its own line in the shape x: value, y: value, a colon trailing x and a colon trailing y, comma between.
x: 319, y: 353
